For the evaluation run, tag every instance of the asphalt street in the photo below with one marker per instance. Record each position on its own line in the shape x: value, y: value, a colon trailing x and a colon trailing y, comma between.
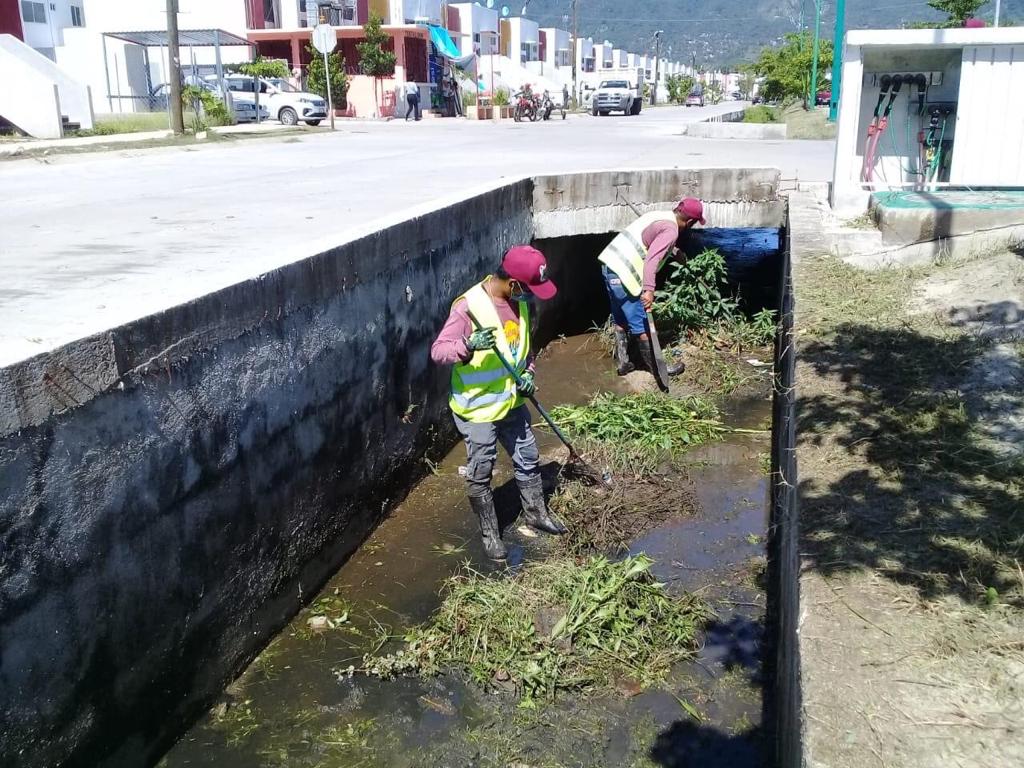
x: 88, y: 242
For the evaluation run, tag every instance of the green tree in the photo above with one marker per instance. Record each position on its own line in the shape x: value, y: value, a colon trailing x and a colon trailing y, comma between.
x: 259, y: 68
x: 679, y: 88
x: 316, y: 80
x: 373, y: 59
x: 957, y: 11
x: 787, y: 69
x: 714, y: 92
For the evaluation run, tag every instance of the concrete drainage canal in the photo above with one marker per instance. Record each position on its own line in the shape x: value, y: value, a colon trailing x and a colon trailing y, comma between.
x: 654, y: 634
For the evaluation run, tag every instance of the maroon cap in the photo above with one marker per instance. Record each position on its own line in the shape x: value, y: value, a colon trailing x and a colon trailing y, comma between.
x: 692, y: 208
x: 528, y: 265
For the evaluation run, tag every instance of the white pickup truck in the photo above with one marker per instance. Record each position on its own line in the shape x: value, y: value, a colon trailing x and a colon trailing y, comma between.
x: 617, y: 96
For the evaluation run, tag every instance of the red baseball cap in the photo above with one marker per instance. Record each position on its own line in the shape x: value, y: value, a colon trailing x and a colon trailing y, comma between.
x: 691, y: 208
x: 528, y: 265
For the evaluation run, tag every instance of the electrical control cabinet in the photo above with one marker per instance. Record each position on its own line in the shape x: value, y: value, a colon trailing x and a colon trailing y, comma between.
x: 929, y: 109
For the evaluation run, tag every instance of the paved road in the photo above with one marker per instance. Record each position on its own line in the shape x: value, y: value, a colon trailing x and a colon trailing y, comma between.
x: 89, y: 242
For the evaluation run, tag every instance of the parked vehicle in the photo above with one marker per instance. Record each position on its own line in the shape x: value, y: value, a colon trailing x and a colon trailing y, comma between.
x: 617, y: 96
x: 547, y: 106
x: 696, y: 96
x: 245, y: 112
x: 284, y: 102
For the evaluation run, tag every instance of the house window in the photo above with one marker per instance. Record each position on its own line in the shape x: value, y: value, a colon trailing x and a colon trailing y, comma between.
x: 77, y: 20
x: 33, y: 12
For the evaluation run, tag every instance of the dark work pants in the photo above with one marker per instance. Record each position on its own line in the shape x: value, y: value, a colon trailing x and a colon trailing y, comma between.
x: 413, y: 106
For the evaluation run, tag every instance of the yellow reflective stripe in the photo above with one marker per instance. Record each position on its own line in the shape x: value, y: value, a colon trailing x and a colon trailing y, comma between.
x: 485, y: 376
x: 626, y: 263
x: 485, y: 398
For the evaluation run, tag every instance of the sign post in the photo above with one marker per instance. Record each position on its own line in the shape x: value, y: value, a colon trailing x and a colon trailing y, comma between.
x: 325, y: 37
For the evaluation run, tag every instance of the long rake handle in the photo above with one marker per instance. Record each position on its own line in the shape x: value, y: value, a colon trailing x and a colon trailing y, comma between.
x: 519, y: 383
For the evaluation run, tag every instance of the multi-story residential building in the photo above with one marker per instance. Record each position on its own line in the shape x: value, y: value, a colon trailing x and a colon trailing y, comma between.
x: 477, y: 29
x: 520, y: 39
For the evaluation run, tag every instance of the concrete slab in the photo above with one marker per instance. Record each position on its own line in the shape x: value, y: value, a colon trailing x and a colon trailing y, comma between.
x: 746, y: 131
x: 918, y: 217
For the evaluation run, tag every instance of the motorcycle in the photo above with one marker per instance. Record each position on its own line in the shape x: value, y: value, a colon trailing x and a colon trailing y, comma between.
x: 527, y: 106
x: 546, y: 106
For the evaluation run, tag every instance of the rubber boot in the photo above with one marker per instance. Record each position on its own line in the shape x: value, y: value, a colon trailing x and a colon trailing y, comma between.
x: 489, y: 531
x: 647, y: 355
x: 535, y: 510
x: 623, y: 364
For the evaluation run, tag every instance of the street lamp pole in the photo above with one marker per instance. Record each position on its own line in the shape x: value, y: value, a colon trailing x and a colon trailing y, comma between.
x: 577, y: 53
x: 837, y: 60
x: 657, y: 61
x: 814, y: 56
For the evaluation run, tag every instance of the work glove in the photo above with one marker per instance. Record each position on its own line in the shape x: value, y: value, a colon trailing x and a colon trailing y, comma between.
x: 526, y: 385
x: 482, y: 339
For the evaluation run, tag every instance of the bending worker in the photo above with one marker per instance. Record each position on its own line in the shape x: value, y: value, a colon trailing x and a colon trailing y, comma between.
x: 490, y: 319
x: 630, y: 264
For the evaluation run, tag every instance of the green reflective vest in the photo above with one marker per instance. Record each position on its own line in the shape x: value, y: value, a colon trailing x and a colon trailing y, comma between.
x: 626, y: 253
x: 482, y: 389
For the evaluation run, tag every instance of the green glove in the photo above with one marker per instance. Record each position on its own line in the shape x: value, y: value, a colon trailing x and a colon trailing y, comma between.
x: 526, y: 385
x: 482, y: 339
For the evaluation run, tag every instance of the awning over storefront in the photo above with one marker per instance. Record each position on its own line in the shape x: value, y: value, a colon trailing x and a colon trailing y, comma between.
x: 446, y: 47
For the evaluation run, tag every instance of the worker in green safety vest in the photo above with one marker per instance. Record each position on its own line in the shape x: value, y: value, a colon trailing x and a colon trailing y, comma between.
x: 630, y: 264
x: 490, y: 319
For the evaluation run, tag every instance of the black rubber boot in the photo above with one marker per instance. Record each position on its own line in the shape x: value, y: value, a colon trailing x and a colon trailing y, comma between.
x: 647, y: 355
x: 490, y: 533
x: 535, y: 510
x: 623, y: 364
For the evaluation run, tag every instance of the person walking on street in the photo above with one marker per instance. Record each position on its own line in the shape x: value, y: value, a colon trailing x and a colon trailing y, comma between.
x: 493, y: 317
x: 630, y: 264
x: 412, y: 100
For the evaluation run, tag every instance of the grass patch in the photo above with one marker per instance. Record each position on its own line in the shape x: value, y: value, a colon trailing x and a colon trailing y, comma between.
x: 804, y: 124
x: 914, y: 490
x: 558, y: 625
x: 137, y: 122
x: 761, y: 113
x: 638, y: 430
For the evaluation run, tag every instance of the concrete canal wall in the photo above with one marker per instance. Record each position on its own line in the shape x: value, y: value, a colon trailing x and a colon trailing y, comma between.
x: 175, y: 488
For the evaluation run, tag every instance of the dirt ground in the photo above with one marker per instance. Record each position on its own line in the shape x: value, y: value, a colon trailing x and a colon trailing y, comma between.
x: 911, y: 408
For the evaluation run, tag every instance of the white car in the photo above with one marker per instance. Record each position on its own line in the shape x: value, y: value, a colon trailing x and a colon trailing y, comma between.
x: 285, y: 103
x: 245, y: 111
x: 616, y: 96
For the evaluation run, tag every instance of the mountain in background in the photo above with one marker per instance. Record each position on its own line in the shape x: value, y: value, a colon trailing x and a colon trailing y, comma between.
x: 725, y: 32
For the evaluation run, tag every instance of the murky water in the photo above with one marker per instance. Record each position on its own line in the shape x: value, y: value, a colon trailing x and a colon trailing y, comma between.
x: 295, y: 706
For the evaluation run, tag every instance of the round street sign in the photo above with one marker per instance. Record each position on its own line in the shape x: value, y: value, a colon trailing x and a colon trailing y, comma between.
x: 325, y: 37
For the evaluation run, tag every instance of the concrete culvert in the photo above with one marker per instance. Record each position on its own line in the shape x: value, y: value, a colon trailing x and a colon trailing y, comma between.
x: 281, y: 439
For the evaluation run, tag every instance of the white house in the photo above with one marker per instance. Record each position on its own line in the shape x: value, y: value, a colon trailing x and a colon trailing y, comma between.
x: 603, y: 56
x: 619, y: 58
x: 520, y: 39
x: 556, y: 49
x: 585, y: 55
x: 478, y: 28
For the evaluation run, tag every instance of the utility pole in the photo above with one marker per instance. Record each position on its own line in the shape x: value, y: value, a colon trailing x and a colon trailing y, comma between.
x: 657, y: 61
x: 837, y: 59
x: 814, y: 56
x: 577, y: 54
x: 997, y: 13
x: 174, y: 59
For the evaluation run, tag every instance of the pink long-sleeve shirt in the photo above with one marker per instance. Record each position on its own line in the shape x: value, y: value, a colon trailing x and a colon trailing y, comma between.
x: 658, y: 238
x: 450, y: 345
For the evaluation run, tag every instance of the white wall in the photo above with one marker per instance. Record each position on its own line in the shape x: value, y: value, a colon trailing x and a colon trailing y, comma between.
x: 476, y: 20
x: 37, y: 92
x: 524, y: 32
x: 83, y: 49
x: 411, y: 11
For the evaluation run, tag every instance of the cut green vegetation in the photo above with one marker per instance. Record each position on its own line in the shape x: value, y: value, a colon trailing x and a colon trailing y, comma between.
x: 639, y: 430
x: 137, y: 122
x: 558, y: 625
x: 761, y: 113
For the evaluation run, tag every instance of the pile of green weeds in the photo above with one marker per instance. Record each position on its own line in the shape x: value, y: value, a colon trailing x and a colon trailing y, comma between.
x: 559, y: 625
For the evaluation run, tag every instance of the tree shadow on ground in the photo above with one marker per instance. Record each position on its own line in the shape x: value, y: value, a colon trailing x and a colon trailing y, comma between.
x: 690, y: 745
x: 735, y: 643
x: 911, y: 491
